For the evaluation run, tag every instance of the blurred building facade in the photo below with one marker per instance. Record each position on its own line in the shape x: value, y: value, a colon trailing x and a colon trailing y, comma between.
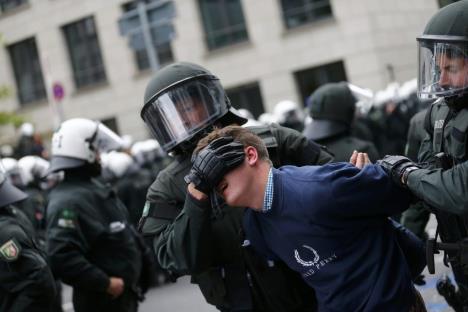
x: 264, y: 51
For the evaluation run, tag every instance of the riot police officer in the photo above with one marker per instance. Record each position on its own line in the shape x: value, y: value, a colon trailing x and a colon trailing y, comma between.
x: 91, y: 245
x: 440, y: 178
x: 183, y: 102
x: 332, y: 108
x: 26, y: 282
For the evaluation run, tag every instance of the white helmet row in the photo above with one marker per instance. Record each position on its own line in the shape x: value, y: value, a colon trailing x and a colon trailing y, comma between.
x: 146, y: 151
x: 117, y: 163
x: 13, y: 171
x: 8, y: 193
x: 34, y: 168
x: 78, y: 141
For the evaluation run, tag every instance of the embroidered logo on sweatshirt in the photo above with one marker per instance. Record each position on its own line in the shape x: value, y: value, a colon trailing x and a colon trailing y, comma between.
x: 305, y: 262
x: 310, y: 259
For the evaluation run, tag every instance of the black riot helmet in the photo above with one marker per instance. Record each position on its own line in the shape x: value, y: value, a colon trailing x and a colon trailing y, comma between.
x: 182, y: 103
x: 443, y: 55
x: 332, y: 108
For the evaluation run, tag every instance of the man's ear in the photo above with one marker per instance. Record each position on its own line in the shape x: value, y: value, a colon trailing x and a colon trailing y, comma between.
x: 251, y: 155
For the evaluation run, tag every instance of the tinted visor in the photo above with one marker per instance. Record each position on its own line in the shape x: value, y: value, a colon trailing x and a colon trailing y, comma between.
x: 443, y: 68
x: 180, y: 112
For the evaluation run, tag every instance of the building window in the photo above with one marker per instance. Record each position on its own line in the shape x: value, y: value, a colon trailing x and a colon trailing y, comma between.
x: 299, y: 12
x: 8, y: 5
x: 248, y: 97
x: 84, y: 51
x: 309, y: 80
x: 223, y: 21
x: 443, y: 3
x: 27, y: 69
x: 163, y: 50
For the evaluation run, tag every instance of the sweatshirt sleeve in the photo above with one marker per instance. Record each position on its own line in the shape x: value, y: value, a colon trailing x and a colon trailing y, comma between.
x: 366, y: 192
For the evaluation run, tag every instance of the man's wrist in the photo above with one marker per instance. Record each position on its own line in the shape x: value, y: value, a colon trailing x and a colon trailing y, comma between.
x: 196, y: 193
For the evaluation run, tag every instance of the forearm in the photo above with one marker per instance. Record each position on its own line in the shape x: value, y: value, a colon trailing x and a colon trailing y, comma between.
x: 445, y: 190
x: 183, y: 245
x: 69, y: 264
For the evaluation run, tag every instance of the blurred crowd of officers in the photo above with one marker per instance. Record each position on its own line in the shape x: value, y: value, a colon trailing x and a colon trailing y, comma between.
x: 112, y: 219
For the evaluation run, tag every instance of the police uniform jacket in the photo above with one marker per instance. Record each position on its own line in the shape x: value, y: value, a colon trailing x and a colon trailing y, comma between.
x: 89, y: 239
x: 26, y: 282
x: 342, y: 146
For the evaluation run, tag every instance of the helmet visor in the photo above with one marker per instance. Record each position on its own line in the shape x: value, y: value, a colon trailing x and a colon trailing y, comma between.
x: 179, y: 113
x: 106, y: 140
x: 443, y: 69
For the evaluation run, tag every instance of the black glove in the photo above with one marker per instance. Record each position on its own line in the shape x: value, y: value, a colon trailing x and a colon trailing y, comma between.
x: 398, y: 167
x: 213, y: 162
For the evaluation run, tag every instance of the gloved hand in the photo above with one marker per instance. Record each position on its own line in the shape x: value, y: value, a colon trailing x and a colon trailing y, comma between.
x: 398, y: 167
x: 213, y: 162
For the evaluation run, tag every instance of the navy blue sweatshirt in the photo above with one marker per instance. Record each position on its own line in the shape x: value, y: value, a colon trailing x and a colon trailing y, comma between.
x: 330, y: 223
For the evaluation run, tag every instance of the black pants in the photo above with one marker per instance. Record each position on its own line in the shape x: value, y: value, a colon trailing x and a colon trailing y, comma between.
x: 90, y: 301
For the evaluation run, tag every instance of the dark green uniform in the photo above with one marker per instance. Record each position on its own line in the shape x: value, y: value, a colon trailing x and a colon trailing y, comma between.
x: 342, y: 146
x: 26, y: 282
x: 416, y: 217
x: 443, y: 185
x: 206, y: 242
x: 34, y: 208
x: 131, y: 189
x: 89, y: 241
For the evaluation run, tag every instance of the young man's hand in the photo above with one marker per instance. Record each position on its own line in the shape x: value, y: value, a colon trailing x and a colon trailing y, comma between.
x: 359, y: 159
x: 213, y: 162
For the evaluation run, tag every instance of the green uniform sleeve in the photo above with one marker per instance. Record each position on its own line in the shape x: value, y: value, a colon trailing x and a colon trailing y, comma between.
x: 445, y: 190
x: 180, y: 240
x: 183, y: 245
x: 296, y: 149
x: 24, y: 271
x: 67, y: 247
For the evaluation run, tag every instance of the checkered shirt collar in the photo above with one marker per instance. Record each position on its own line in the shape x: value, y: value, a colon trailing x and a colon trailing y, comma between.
x: 268, y: 198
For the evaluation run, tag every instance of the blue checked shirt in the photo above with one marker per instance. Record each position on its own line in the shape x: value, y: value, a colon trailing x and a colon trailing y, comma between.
x: 268, y: 198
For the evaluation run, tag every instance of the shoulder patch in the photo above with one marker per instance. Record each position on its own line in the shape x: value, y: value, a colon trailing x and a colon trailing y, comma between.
x: 10, y: 251
x: 67, y: 219
x: 146, y: 209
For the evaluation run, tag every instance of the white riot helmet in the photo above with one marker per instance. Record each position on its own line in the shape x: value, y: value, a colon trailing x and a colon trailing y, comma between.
x: 289, y: 114
x: 78, y: 141
x: 267, y: 118
x: 146, y: 151
x: 251, y: 122
x: 34, y: 168
x: 9, y: 194
x: 13, y: 172
x: 27, y: 129
x: 117, y: 163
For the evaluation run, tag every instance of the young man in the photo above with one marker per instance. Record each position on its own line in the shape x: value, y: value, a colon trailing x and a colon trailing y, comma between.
x: 329, y: 223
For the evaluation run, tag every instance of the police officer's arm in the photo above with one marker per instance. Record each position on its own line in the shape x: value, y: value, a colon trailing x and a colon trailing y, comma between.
x: 179, y: 228
x: 67, y: 247
x: 296, y: 149
x: 24, y: 271
x: 446, y: 190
